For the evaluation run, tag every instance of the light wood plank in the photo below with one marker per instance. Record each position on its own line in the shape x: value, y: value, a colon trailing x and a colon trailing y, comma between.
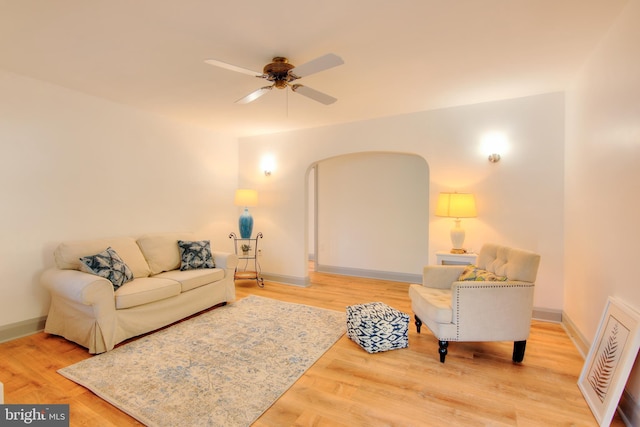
x: 477, y: 386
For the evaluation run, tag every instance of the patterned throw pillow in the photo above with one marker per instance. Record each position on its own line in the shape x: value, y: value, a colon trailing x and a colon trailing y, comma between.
x: 109, y: 265
x: 473, y: 273
x: 194, y: 255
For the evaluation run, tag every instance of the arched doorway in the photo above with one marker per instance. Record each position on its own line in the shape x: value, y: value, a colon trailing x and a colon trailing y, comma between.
x: 368, y: 215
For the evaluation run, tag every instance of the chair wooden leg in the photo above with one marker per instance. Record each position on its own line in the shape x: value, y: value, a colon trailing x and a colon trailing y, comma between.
x: 442, y: 350
x: 418, y: 322
x: 518, y: 350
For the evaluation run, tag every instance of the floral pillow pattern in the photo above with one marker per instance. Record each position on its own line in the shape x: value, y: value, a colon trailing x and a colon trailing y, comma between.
x: 109, y: 265
x: 473, y: 273
x: 195, y: 255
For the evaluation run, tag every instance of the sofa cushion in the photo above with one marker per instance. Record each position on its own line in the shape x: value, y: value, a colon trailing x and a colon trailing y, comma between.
x: 67, y: 255
x: 161, y: 250
x: 109, y: 265
x: 195, y: 255
x: 436, y: 303
x: 190, y: 279
x: 473, y: 273
x: 145, y: 290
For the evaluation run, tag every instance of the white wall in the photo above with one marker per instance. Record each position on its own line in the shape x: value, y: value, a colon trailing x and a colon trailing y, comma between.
x: 603, y: 181
x: 76, y: 167
x: 520, y: 199
x: 360, y: 197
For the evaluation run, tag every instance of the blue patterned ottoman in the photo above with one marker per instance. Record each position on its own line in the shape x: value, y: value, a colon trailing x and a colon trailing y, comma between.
x: 377, y: 327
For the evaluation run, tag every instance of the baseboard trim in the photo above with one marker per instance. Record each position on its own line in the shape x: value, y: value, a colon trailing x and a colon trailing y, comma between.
x: 547, y: 314
x: 22, y: 329
x: 581, y: 343
x: 303, y: 282
x: 628, y: 409
x: 370, y: 274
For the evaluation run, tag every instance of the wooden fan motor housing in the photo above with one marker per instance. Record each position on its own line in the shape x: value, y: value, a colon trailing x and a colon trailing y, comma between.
x: 278, y: 71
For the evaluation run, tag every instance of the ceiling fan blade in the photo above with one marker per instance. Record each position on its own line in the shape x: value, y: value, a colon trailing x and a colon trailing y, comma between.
x: 231, y: 67
x: 323, y: 98
x: 254, y: 95
x: 322, y: 63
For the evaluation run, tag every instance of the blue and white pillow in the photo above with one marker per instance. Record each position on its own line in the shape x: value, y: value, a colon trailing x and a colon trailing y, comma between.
x: 109, y: 265
x: 195, y: 255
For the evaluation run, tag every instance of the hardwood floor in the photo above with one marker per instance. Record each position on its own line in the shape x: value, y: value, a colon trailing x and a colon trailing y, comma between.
x: 477, y: 386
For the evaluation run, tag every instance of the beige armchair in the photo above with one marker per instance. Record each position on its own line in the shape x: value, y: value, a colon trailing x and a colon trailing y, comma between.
x: 492, y: 301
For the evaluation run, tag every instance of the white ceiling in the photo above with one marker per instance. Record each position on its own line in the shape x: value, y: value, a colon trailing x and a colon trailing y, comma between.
x: 400, y: 56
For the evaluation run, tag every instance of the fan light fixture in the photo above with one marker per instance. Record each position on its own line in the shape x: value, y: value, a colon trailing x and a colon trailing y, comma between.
x: 281, y: 73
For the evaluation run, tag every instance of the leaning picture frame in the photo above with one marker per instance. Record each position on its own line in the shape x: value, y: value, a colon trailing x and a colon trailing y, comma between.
x: 610, y: 359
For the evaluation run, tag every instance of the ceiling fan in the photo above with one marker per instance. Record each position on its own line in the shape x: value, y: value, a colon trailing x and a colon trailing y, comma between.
x: 282, y: 74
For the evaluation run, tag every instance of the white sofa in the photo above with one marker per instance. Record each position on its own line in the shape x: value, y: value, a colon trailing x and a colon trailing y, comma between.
x: 86, y: 309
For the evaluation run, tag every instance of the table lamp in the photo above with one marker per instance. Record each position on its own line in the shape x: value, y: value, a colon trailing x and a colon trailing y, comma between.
x: 456, y: 205
x: 246, y: 198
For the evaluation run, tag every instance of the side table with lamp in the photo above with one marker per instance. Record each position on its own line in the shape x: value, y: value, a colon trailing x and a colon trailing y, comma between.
x: 447, y: 258
x: 246, y: 247
x: 457, y: 206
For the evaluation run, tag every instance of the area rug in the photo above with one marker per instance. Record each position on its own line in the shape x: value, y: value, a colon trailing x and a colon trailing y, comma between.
x: 224, y: 367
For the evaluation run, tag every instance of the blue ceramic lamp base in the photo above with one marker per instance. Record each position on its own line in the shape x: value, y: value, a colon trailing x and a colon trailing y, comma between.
x: 245, y: 224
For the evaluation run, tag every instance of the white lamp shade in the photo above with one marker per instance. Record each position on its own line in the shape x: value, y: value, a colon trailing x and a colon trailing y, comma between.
x: 456, y: 205
x: 246, y: 198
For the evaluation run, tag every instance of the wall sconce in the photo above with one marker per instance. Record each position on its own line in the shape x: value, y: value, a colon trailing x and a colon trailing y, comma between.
x: 268, y: 164
x: 493, y: 145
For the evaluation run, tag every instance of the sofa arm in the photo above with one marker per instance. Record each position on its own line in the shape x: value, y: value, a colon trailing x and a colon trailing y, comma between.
x: 441, y: 276
x: 77, y: 286
x: 492, y: 311
x: 226, y: 260
x: 82, y: 308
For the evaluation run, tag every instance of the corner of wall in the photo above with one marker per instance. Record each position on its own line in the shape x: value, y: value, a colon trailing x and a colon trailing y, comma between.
x: 581, y: 343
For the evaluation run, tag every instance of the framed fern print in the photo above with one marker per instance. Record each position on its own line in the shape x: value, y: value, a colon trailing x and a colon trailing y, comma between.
x: 610, y: 360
